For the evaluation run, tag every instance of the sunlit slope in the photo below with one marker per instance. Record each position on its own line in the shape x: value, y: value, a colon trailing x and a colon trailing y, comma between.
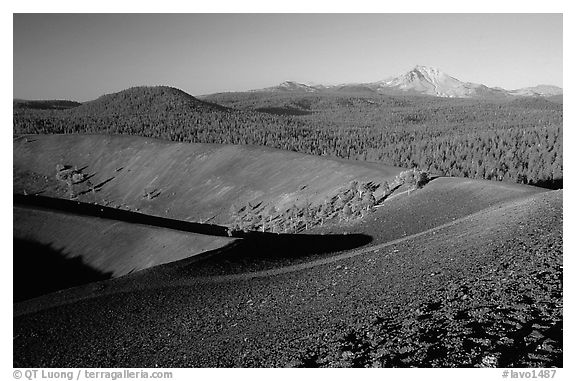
x: 454, y: 197
x: 109, y: 246
x: 439, y: 202
x: 194, y: 182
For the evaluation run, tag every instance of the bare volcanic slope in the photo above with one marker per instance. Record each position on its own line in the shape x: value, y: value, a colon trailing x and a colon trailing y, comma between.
x: 148, y: 189
x: 108, y: 246
x: 483, y: 291
x: 199, y: 183
x: 441, y: 203
x: 191, y: 182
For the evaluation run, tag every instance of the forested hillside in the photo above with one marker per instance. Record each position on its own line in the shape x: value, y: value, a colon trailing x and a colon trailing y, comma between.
x: 518, y: 140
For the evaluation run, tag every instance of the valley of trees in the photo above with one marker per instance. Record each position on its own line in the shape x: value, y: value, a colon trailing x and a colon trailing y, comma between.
x: 517, y: 140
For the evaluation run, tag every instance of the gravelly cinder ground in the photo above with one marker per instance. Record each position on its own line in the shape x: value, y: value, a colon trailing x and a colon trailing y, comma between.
x: 486, y: 291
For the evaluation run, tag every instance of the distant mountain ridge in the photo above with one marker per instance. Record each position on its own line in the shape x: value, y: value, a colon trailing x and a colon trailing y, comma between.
x: 421, y: 80
x: 542, y: 90
x: 54, y: 104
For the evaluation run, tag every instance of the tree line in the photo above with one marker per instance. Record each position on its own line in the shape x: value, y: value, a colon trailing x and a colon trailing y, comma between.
x: 517, y: 141
x: 350, y: 203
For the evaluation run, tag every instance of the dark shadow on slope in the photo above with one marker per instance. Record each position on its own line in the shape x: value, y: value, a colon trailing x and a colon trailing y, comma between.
x: 40, y: 269
x: 553, y: 184
x: 256, y: 251
x: 263, y: 251
x: 94, y: 210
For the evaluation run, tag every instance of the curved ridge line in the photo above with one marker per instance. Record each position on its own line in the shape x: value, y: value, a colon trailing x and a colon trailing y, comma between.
x: 322, y: 261
x: 25, y: 309
x: 346, y: 255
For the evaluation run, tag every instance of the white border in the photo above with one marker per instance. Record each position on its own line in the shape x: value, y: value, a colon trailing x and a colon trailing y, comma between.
x: 299, y: 6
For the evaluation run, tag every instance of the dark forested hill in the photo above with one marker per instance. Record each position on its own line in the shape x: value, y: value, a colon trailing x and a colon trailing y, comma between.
x: 145, y: 100
x: 517, y: 140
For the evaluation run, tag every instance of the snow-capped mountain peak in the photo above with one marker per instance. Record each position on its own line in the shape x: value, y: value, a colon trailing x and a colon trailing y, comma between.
x: 430, y: 81
x: 420, y: 80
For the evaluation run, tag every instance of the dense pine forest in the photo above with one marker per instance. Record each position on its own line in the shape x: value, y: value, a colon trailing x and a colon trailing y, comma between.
x: 515, y: 140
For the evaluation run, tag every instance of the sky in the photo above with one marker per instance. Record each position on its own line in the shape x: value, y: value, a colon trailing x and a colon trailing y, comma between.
x: 82, y: 56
